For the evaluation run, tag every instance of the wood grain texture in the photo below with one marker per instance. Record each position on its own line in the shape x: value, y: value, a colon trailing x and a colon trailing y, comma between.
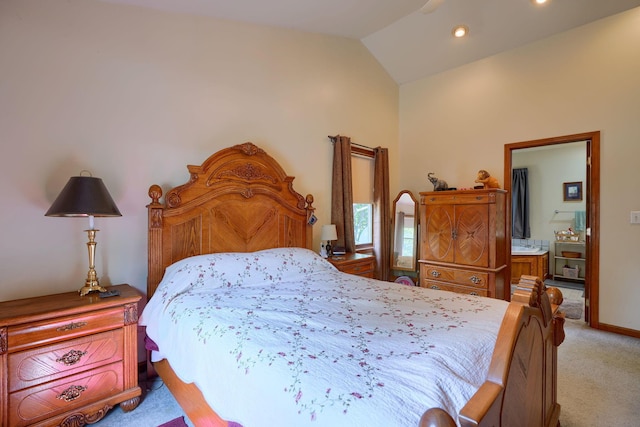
x: 239, y: 200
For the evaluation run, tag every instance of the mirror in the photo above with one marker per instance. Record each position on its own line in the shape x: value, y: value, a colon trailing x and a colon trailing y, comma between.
x: 405, y: 232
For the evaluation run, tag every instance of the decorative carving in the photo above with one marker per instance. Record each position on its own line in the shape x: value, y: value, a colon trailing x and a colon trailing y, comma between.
x: 80, y: 419
x: 71, y: 326
x: 156, y: 218
x: 155, y: 192
x: 130, y: 405
x: 71, y: 358
x: 71, y: 393
x: 173, y: 199
x: 249, y: 149
x: 4, y: 346
x: 247, y: 193
x: 248, y: 172
x: 130, y: 314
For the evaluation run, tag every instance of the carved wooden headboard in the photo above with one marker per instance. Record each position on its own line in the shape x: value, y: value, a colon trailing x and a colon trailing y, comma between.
x: 239, y: 200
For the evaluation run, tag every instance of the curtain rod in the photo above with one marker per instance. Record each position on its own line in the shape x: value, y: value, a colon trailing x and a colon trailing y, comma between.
x: 333, y: 139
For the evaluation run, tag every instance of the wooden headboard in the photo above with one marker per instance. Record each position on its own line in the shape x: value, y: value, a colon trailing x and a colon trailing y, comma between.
x: 239, y: 200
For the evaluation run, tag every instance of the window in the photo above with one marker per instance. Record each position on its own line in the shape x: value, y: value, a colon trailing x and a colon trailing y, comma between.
x: 362, y: 172
x: 363, y: 223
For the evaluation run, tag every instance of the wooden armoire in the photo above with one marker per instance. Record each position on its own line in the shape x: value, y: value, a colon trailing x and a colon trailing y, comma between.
x: 463, y: 240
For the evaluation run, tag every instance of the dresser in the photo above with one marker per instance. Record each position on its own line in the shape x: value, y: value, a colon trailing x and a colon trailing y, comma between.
x: 354, y: 263
x: 463, y: 240
x: 67, y: 360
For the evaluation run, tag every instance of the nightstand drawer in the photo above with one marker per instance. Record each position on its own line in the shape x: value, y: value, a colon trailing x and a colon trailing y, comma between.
x: 39, y: 403
x: 363, y: 268
x: 63, y: 328
x: 354, y: 263
x: 44, y: 364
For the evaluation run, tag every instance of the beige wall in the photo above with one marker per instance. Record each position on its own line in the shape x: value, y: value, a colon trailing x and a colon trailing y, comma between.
x: 135, y: 95
x: 583, y: 80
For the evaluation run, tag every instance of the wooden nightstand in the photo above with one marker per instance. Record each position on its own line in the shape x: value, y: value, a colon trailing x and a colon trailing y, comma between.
x: 359, y: 264
x: 66, y: 359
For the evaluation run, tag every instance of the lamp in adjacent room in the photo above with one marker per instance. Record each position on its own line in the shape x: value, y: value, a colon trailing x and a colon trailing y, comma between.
x: 86, y: 196
x: 328, y: 235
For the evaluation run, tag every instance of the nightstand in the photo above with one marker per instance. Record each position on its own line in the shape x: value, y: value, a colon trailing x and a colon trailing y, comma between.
x: 66, y: 359
x: 354, y: 263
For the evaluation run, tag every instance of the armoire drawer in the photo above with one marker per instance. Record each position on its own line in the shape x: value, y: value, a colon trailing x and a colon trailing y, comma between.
x: 433, y: 284
x: 456, y: 276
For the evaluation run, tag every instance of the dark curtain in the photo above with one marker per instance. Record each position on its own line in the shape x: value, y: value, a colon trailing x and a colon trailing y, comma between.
x: 342, y: 193
x: 520, y: 228
x: 381, y: 213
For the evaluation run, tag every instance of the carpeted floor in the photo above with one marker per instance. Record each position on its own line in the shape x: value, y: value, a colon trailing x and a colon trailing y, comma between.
x: 156, y: 408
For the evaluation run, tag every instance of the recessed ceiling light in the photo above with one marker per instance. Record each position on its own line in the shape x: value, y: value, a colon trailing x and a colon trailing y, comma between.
x: 460, y: 31
x: 536, y: 2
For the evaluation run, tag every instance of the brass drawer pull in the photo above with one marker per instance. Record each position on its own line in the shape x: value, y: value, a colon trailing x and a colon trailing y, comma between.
x: 71, y: 358
x: 473, y: 293
x: 72, y: 393
x: 435, y: 287
x: 475, y: 279
x: 71, y: 326
x: 435, y: 273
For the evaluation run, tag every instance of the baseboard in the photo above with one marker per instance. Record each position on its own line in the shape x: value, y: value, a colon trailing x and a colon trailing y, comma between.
x: 619, y: 330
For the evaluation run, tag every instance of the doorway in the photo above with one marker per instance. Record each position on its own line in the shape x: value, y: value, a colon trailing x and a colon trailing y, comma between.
x: 592, y: 205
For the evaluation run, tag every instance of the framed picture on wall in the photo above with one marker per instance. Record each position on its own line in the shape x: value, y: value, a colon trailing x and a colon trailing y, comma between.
x: 572, y: 191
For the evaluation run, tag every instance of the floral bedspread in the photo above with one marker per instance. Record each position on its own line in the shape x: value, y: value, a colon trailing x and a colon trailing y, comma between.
x: 282, y: 338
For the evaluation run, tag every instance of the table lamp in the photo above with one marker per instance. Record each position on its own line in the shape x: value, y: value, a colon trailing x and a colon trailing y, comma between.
x: 328, y: 234
x: 86, y: 196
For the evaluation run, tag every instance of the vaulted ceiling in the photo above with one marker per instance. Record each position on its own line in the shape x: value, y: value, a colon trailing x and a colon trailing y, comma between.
x: 409, y: 43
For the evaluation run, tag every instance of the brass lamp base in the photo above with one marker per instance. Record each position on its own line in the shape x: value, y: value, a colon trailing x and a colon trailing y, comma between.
x: 91, y: 287
x: 91, y: 284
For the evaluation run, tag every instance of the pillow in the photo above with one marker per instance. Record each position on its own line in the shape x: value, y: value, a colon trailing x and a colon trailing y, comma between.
x: 234, y: 269
x: 241, y: 268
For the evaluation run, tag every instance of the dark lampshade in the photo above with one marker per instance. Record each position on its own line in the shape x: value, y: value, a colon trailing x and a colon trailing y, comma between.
x: 84, y: 196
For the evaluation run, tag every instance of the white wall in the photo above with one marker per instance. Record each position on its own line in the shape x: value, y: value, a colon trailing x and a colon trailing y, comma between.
x: 135, y: 95
x: 583, y: 80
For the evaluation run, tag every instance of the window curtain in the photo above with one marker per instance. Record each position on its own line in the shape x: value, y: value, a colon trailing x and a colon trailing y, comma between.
x: 342, y: 193
x: 381, y: 213
x: 520, y: 228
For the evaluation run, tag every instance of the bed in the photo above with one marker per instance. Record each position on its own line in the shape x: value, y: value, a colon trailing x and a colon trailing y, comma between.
x: 249, y: 327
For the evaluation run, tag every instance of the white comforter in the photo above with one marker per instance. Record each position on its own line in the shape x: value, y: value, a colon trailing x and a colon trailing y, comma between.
x: 281, y: 338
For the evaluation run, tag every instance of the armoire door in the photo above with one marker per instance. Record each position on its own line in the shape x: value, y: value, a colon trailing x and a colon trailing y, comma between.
x: 438, y: 244
x: 471, y: 235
